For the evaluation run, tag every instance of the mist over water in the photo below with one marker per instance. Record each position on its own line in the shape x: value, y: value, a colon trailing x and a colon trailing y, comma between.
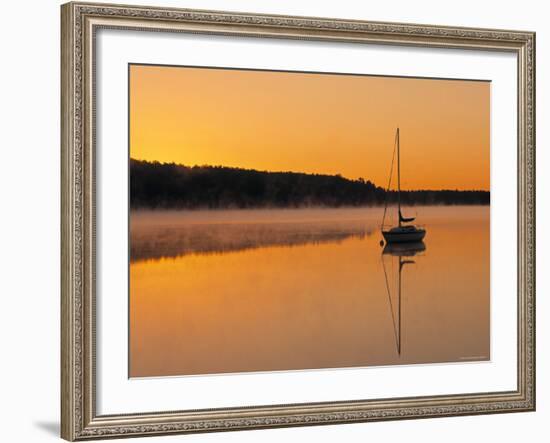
x: 165, y: 234
x: 263, y: 290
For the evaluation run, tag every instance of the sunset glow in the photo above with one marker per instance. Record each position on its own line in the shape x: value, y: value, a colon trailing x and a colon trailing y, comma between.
x: 314, y: 123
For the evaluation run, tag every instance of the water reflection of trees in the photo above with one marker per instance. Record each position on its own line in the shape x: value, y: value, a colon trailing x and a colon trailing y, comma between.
x: 149, y: 243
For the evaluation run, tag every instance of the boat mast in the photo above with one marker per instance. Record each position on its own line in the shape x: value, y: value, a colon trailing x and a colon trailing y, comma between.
x: 398, y: 180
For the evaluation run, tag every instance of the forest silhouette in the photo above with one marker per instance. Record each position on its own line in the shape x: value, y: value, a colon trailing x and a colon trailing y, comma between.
x: 155, y: 185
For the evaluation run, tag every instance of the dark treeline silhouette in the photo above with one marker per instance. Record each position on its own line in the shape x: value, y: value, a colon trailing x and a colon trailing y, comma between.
x: 168, y: 185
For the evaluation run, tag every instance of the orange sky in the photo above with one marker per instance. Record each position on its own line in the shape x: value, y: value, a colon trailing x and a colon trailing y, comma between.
x: 315, y: 123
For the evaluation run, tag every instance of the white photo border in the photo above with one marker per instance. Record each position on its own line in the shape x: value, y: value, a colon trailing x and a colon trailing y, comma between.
x: 118, y: 394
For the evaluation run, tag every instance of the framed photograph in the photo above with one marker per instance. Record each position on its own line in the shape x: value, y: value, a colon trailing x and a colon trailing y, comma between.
x: 282, y: 221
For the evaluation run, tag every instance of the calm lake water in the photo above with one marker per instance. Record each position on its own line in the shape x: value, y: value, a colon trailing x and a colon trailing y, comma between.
x: 265, y: 290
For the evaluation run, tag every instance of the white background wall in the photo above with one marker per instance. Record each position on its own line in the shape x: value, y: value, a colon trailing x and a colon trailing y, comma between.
x: 29, y: 218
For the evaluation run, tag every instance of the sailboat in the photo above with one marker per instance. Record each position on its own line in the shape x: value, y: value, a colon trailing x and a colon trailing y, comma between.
x: 402, y: 232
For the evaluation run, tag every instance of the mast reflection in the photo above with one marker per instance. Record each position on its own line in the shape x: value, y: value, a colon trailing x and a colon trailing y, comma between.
x: 403, y: 252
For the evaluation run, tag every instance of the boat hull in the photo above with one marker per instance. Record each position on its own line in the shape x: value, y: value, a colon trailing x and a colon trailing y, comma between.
x: 404, y: 236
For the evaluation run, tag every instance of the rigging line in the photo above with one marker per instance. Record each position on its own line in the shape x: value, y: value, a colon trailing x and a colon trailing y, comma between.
x: 389, y: 181
x: 391, y: 304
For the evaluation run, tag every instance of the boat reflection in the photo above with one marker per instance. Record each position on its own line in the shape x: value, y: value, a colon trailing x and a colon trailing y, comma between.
x: 402, y: 252
x: 404, y: 249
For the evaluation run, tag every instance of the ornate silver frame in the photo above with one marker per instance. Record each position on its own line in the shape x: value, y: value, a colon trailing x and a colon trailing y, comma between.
x: 80, y: 21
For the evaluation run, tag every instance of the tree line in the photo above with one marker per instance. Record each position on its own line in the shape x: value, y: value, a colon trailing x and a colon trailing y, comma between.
x: 169, y: 185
